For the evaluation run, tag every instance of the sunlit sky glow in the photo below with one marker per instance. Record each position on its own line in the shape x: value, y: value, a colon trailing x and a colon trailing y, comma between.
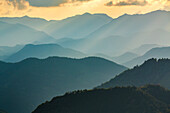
x: 59, y: 9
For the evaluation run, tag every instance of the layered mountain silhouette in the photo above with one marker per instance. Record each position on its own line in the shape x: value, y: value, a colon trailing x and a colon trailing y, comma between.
x: 125, y: 33
x: 78, y: 26
x: 35, y: 23
x: 115, y: 100
x: 90, y: 33
x: 159, y: 52
x: 130, y: 24
x: 7, y: 50
x: 13, y: 34
x: 75, y: 27
x: 26, y: 84
x: 43, y: 51
x: 124, y: 57
x: 153, y: 71
x: 144, y: 48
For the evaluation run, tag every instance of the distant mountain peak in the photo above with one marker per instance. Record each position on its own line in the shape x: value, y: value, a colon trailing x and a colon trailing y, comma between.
x: 87, y: 13
x: 26, y: 16
x: 160, y: 11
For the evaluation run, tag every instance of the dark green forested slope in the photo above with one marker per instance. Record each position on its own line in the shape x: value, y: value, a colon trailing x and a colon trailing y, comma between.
x: 115, y: 100
x: 2, y: 111
x: 27, y: 84
x: 151, y: 72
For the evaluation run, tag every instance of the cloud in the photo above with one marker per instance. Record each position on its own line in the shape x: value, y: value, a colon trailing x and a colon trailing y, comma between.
x: 167, y: 5
x: 8, y: 7
x: 19, y: 4
x: 128, y: 3
x: 52, y: 3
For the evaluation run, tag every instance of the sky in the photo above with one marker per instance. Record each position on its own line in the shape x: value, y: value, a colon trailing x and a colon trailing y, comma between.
x: 60, y: 9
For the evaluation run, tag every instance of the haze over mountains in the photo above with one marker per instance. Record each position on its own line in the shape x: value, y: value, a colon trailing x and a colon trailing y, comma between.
x: 36, y: 23
x: 26, y: 84
x: 17, y: 34
x: 125, y: 33
x: 6, y: 50
x: 160, y: 52
x: 28, y: 80
x: 95, y: 33
x: 147, y: 99
x: 125, y: 57
x: 73, y: 27
x: 144, y: 48
x: 44, y: 51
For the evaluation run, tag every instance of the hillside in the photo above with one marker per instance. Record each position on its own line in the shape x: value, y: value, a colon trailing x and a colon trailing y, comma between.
x: 124, y: 57
x: 115, y: 100
x: 75, y: 27
x: 2, y: 111
x: 78, y: 26
x: 129, y: 24
x: 43, y: 51
x: 151, y: 72
x: 17, y: 34
x: 159, y: 52
x: 26, y: 84
x: 144, y: 48
x: 7, y: 50
x: 125, y: 33
x: 35, y: 23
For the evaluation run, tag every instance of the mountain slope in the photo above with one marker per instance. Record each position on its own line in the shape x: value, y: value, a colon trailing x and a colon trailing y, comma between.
x: 129, y: 24
x: 2, y: 111
x: 26, y: 84
x: 35, y: 23
x: 144, y: 48
x: 13, y: 34
x: 125, y: 57
x: 126, y: 33
x: 116, y: 100
x: 6, y: 50
x: 43, y: 51
x: 151, y: 72
x: 160, y: 52
x: 75, y: 27
x: 78, y: 26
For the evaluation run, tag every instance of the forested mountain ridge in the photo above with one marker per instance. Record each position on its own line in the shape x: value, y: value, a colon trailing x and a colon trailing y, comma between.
x: 114, y: 100
x: 153, y: 71
x: 158, y: 52
x: 32, y: 81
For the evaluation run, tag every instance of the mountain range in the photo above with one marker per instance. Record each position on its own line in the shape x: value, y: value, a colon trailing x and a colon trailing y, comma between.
x: 32, y: 22
x: 152, y: 71
x: 18, y: 34
x: 26, y: 84
x: 146, y: 99
x: 144, y: 48
x: 41, y: 59
x: 122, y: 34
x: 73, y: 27
x: 159, y: 52
x: 6, y: 51
x: 91, y: 33
x: 124, y: 57
x: 43, y: 51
